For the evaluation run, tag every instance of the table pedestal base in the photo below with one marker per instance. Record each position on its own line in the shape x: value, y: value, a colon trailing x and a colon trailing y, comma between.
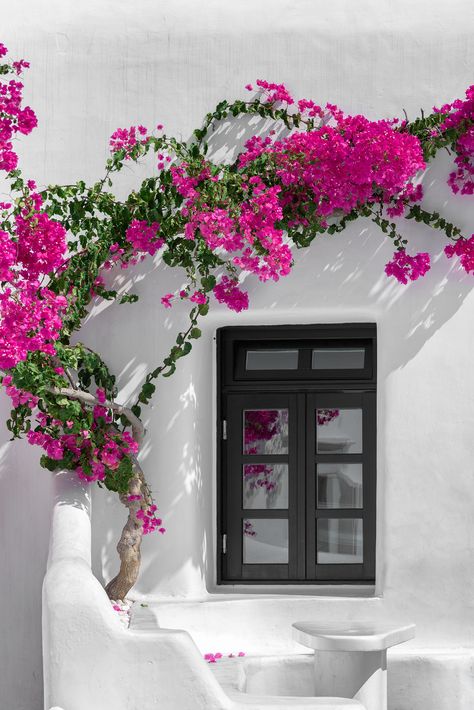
x: 361, y: 675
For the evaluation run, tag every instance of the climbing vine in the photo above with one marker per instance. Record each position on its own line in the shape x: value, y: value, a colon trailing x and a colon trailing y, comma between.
x: 309, y: 172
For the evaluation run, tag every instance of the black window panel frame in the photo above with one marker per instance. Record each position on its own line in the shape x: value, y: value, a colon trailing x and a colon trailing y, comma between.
x: 235, y: 569
x: 235, y: 342
x: 304, y: 371
x: 348, y: 572
x: 303, y: 395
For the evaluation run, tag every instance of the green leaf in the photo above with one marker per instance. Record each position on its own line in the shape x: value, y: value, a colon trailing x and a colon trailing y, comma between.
x: 129, y: 298
x: 208, y: 282
x: 148, y: 388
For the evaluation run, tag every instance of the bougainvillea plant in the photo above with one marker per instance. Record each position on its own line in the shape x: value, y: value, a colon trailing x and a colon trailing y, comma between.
x: 315, y: 170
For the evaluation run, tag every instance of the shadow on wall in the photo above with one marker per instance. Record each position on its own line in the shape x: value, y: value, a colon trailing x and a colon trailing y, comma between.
x: 340, y: 278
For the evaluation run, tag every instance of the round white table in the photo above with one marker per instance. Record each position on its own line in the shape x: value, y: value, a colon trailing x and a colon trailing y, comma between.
x: 350, y: 658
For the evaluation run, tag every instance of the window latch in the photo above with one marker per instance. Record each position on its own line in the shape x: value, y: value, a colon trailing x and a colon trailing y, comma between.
x: 224, y: 544
x: 224, y: 429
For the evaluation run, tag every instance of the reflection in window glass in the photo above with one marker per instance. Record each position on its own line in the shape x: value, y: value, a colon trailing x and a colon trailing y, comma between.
x: 339, y: 485
x: 265, y: 485
x: 265, y: 541
x: 265, y: 431
x: 339, y: 431
x: 271, y: 360
x: 340, y: 541
x: 338, y: 359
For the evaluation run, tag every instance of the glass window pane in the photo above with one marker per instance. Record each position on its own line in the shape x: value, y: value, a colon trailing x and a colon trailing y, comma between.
x: 339, y: 485
x: 265, y: 485
x: 338, y: 359
x: 340, y: 541
x: 265, y: 541
x: 339, y: 431
x: 271, y: 360
x: 265, y: 431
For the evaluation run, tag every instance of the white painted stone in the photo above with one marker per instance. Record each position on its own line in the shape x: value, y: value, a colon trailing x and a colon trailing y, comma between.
x: 91, y: 661
x: 351, y: 659
x: 361, y: 636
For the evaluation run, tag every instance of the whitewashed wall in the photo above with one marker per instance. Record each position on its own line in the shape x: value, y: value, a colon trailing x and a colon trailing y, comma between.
x: 100, y: 64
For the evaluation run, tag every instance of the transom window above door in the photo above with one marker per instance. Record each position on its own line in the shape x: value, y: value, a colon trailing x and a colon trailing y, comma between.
x: 296, y: 486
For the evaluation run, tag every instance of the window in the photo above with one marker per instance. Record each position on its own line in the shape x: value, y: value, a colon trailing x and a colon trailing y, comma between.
x: 296, y: 479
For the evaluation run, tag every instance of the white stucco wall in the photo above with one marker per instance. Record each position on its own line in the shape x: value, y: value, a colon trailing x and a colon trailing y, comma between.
x: 102, y: 64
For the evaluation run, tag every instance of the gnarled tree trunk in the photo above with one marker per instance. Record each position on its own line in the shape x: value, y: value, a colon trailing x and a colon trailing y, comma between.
x: 130, y: 541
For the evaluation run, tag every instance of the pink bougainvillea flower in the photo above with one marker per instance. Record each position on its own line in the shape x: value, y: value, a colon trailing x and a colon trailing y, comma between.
x: 198, y: 297
x: 144, y: 237
x: 166, y: 300
x: 464, y: 248
x: 228, y: 292
x: 408, y: 268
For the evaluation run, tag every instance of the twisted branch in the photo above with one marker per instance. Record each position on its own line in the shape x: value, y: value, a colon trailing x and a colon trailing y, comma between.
x: 137, y: 426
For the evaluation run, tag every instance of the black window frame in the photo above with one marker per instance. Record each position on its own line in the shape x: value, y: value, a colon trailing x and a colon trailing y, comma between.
x: 301, y: 392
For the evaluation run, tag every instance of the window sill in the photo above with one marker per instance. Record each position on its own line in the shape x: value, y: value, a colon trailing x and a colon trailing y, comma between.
x: 334, y: 591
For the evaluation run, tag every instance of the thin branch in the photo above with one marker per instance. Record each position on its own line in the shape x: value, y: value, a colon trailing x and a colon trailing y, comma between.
x: 137, y: 426
x: 56, y: 361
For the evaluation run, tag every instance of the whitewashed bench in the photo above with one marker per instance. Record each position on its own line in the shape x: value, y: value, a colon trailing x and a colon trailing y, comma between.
x: 92, y: 662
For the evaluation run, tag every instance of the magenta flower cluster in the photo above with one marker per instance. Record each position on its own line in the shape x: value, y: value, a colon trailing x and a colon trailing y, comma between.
x: 461, y: 115
x: 144, y: 237
x: 30, y: 320
x: 408, y: 268
x: 19, y: 397
x: 127, y: 138
x: 228, y: 292
x: 464, y: 248
x: 14, y: 117
x: 90, y: 460
x: 41, y: 242
x: 30, y: 313
x: 342, y: 166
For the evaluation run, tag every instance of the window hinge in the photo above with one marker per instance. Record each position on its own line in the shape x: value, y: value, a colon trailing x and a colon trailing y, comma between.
x: 224, y: 429
x: 224, y: 544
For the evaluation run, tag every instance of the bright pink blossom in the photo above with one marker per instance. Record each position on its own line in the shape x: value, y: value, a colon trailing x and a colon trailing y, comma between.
x: 166, y: 300
x: 408, y: 268
x: 460, y: 116
x: 30, y: 320
x: 144, y: 237
x: 275, y: 92
x: 198, y: 297
x: 228, y: 292
x: 464, y: 248
x: 127, y: 139
x: 41, y: 240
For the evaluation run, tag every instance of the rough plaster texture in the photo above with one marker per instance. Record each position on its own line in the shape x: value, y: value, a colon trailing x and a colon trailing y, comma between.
x: 99, y: 65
